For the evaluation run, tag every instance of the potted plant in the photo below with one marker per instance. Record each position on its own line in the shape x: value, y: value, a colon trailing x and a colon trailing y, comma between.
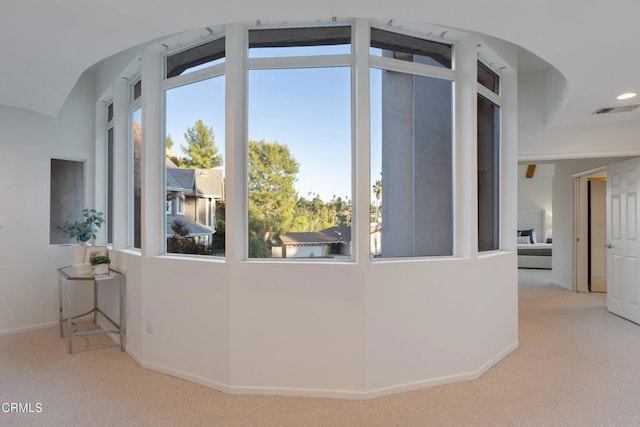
x: 100, y: 265
x: 83, y: 231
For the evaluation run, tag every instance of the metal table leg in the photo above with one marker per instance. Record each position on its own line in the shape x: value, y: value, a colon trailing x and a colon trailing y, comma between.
x: 60, y: 304
x: 69, y: 316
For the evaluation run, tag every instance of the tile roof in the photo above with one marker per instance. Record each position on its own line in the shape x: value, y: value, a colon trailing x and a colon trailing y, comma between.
x: 306, y: 237
x: 328, y: 236
x: 172, y: 183
x: 183, y: 177
x: 205, y: 182
x: 209, y: 183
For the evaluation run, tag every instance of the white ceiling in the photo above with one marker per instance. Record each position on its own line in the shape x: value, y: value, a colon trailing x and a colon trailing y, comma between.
x: 46, y: 45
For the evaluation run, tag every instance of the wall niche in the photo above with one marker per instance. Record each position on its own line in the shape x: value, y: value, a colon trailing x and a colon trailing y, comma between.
x: 67, y: 197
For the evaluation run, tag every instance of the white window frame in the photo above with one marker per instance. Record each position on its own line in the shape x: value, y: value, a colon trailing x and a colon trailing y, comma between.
x: 422, y: 70
x: 134, y: 106
x: 302, y: 62
x: 180, y: 204
x: 210, y: 72
x: 495, y: 98
x: 360, y: 61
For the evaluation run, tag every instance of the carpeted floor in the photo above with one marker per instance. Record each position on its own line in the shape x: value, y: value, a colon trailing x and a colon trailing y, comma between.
x: 577, y: 365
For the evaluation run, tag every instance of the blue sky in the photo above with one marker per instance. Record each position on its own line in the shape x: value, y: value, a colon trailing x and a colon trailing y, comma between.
x: 309, y: 110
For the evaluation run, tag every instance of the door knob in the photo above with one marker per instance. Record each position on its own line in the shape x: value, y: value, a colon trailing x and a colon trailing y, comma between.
x: 609, y: 246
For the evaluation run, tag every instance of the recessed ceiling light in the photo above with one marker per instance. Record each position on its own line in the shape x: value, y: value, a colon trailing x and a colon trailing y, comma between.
x: 627, y: 95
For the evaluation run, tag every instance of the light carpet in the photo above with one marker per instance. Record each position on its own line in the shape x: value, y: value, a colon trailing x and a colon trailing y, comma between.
x: 577, y: 365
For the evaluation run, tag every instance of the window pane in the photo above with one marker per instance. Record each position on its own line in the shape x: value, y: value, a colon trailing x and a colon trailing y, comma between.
x: 412, y: 49
x: 488, y: 175
x: 110, y: 112
x: 195, y: 58
x: 300, y: 163
x: 110, y: 185
x: 411, y: 165
x: 136, y: 140
x: 299, y: 41
x: 487, y: 78
x: 137, y: 90
x: 195, y: 203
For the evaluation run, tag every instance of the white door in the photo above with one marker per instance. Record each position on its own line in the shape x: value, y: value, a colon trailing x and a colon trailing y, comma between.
x: 623, y: 297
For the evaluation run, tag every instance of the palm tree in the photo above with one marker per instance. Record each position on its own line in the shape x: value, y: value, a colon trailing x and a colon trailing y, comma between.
x: 377, y: 191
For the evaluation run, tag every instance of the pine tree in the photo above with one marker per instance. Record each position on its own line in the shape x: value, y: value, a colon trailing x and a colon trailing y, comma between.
x: 201, y: 149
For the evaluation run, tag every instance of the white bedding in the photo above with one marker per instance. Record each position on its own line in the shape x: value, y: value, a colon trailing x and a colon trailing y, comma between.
x: 532, y: 259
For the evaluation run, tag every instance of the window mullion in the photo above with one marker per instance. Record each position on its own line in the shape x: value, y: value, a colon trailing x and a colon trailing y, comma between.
x: 299, y: 62
x: 362, y: 137
x: 489, y: 94
x: 193, y: 77
x: 412, y: 68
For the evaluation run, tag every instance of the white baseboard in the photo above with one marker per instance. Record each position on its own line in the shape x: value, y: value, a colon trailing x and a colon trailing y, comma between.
x: 468, y: 376
x: 327, y: 393
x: 28, y: 328
x: 183, y: 375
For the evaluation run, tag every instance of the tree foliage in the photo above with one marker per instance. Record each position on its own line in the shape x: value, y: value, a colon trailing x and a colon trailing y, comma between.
x: 272, y: 195
x: 181, y: 243
x: 316, y: 214
x: 201, y: 150
x: 377, y: 192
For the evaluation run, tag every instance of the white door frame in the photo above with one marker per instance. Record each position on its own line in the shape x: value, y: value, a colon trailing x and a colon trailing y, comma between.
x: 580, y: 229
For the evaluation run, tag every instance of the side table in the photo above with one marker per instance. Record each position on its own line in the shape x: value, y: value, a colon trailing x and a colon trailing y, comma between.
x: 65, y: 278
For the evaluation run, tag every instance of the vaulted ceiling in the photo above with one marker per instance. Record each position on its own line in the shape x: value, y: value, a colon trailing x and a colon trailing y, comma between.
x: 47, y: 45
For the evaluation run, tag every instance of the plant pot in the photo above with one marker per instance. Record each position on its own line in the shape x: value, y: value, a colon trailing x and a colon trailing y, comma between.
x: 101, y: 269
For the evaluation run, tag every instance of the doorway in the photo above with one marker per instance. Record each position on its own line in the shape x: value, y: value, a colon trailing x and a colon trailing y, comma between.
x: 590, y: 232
x: 597, y: 237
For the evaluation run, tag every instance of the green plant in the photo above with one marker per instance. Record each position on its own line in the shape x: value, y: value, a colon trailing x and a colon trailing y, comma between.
x: 100, y: 259
x: 84, y: 230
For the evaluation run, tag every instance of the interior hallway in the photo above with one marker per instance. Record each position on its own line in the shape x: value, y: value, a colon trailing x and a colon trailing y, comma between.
x: 577, y: 365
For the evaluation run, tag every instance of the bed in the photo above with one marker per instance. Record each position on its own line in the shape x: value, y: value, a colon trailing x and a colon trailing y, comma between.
x: 534, y: 250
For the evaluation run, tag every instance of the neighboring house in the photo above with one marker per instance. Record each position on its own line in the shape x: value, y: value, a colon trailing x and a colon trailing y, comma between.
x: 333, y: 242
x: 330, y: 243
x: 191, y: 198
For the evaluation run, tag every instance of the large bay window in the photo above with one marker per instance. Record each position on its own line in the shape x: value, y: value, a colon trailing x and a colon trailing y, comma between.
x: 300, y: 139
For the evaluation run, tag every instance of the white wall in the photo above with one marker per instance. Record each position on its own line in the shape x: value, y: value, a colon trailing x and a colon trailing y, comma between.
x: 413, y: 325
x: 28, y: 280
